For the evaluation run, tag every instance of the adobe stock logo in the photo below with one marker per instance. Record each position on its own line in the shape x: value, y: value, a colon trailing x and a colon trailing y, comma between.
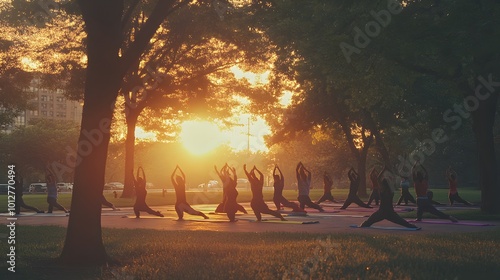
x: 373, y: 28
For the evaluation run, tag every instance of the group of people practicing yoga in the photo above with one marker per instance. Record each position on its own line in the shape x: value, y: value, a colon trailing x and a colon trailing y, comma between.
x: 382, y: 194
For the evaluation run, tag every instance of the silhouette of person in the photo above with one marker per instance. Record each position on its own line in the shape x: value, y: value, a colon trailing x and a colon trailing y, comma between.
x: 386, y: 210
x: 430, y: 195
x: 278, y: 198
x: 140, y: 195
x: 304, y: 186
x: 258, y: 204
x: 106, y: 203
x: 223, y: 178
x: 405, y: 191
x: 230, y: 204
x: 52, y: 191
x: 18, y: 191
x: 421, y: 184
x: 375, y: 187
x: 453, y: 196
x: 327, y: 189
x: 352, y: 197
x: 181, y: 204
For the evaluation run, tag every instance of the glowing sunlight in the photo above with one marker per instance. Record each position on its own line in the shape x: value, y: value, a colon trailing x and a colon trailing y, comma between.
x: 200, y: 137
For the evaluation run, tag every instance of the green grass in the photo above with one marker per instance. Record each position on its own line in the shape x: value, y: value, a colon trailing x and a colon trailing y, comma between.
x: 151, y: 254
x: 157, y: 199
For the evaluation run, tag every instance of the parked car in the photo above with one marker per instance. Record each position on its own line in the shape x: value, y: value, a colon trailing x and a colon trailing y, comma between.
x: 114, y: 186
x: 243, y: 183
x: 63, y: 187
x: 213, y: 184
x: 38, y: 187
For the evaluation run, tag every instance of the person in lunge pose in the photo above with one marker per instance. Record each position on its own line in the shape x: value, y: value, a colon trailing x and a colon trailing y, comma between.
x: 19, y: 201
x: 278, y: 198
x: 386, y: 210
x: 50, y: 177
x: 327, y: 189
x: 421, y: 184
x: 230, y: 204
x: 258, y: 204
x: 105, y: 202
x: 140, y: 195
x: 223, y: 178
x: 375, y: 187
x: 405, y: 191
x: 181, y: 204
x: 430, y: 195
x: 453, y: 196
x: 304, y: 186
x: 353, y: 190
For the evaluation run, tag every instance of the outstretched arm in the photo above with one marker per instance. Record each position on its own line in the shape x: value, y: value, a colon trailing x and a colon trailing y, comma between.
x: 297, y: 170
x: 143, y: 173
x: 350, y: 174
x: 182, y: 173
x: 414, y: 171
x: 246, y: 172
x: 218, y: 173
x: 172, y: 179
x: 261, y: 176
x: 235, y: 178
x: 279, y: 170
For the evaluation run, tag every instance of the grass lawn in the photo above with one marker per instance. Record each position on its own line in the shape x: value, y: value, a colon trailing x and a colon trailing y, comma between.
x: 157, y: 199
x: 151, y: 254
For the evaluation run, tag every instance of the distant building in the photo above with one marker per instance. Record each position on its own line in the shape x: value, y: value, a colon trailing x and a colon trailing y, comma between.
x: 47, y: 104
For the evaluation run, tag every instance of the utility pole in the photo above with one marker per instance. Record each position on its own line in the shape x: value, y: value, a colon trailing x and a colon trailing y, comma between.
x: 248, y: 136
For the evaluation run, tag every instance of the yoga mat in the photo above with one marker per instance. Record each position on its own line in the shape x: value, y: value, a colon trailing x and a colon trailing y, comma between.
x: 285, y: 222
x: 387, y: 228
x: 445, y: 222
x: 339, y: 215
x: 224, y: 214
x: 209, y: 221
x: 360, y: 209
x: 36, y: 215
x: 145, y: 217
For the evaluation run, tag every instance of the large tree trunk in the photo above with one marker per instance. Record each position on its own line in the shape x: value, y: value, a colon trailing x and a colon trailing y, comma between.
x: 83, y: 244
x: 362, y: 173
x: 483, y: 122
x: 128, y: 189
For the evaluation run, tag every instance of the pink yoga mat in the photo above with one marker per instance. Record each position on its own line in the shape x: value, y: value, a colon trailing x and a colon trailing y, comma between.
x: 446, y: 222
x: 359, y: 209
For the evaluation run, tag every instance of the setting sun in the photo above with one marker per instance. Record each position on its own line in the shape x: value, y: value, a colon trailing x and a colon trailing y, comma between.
x: 200, y: 137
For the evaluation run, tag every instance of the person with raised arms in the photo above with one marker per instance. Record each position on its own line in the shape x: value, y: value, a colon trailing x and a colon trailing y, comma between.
x: 258, y: 204
x: 405, y: 191
x: 181, y: 204
x: 353, y: 191
x: 453, y: 196
x: 278, y: 198
x: 421, y: 184
x: 386, y: 209
x: 327, y: 189
x: 304, y: 186
x: 140, y: 195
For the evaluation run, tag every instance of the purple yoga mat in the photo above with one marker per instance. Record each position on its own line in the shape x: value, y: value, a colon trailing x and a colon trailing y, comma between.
x: 446, y: 222
x: 361, y: 209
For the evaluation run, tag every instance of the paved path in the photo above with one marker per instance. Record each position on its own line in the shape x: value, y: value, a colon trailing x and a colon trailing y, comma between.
x: 332, y: 221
